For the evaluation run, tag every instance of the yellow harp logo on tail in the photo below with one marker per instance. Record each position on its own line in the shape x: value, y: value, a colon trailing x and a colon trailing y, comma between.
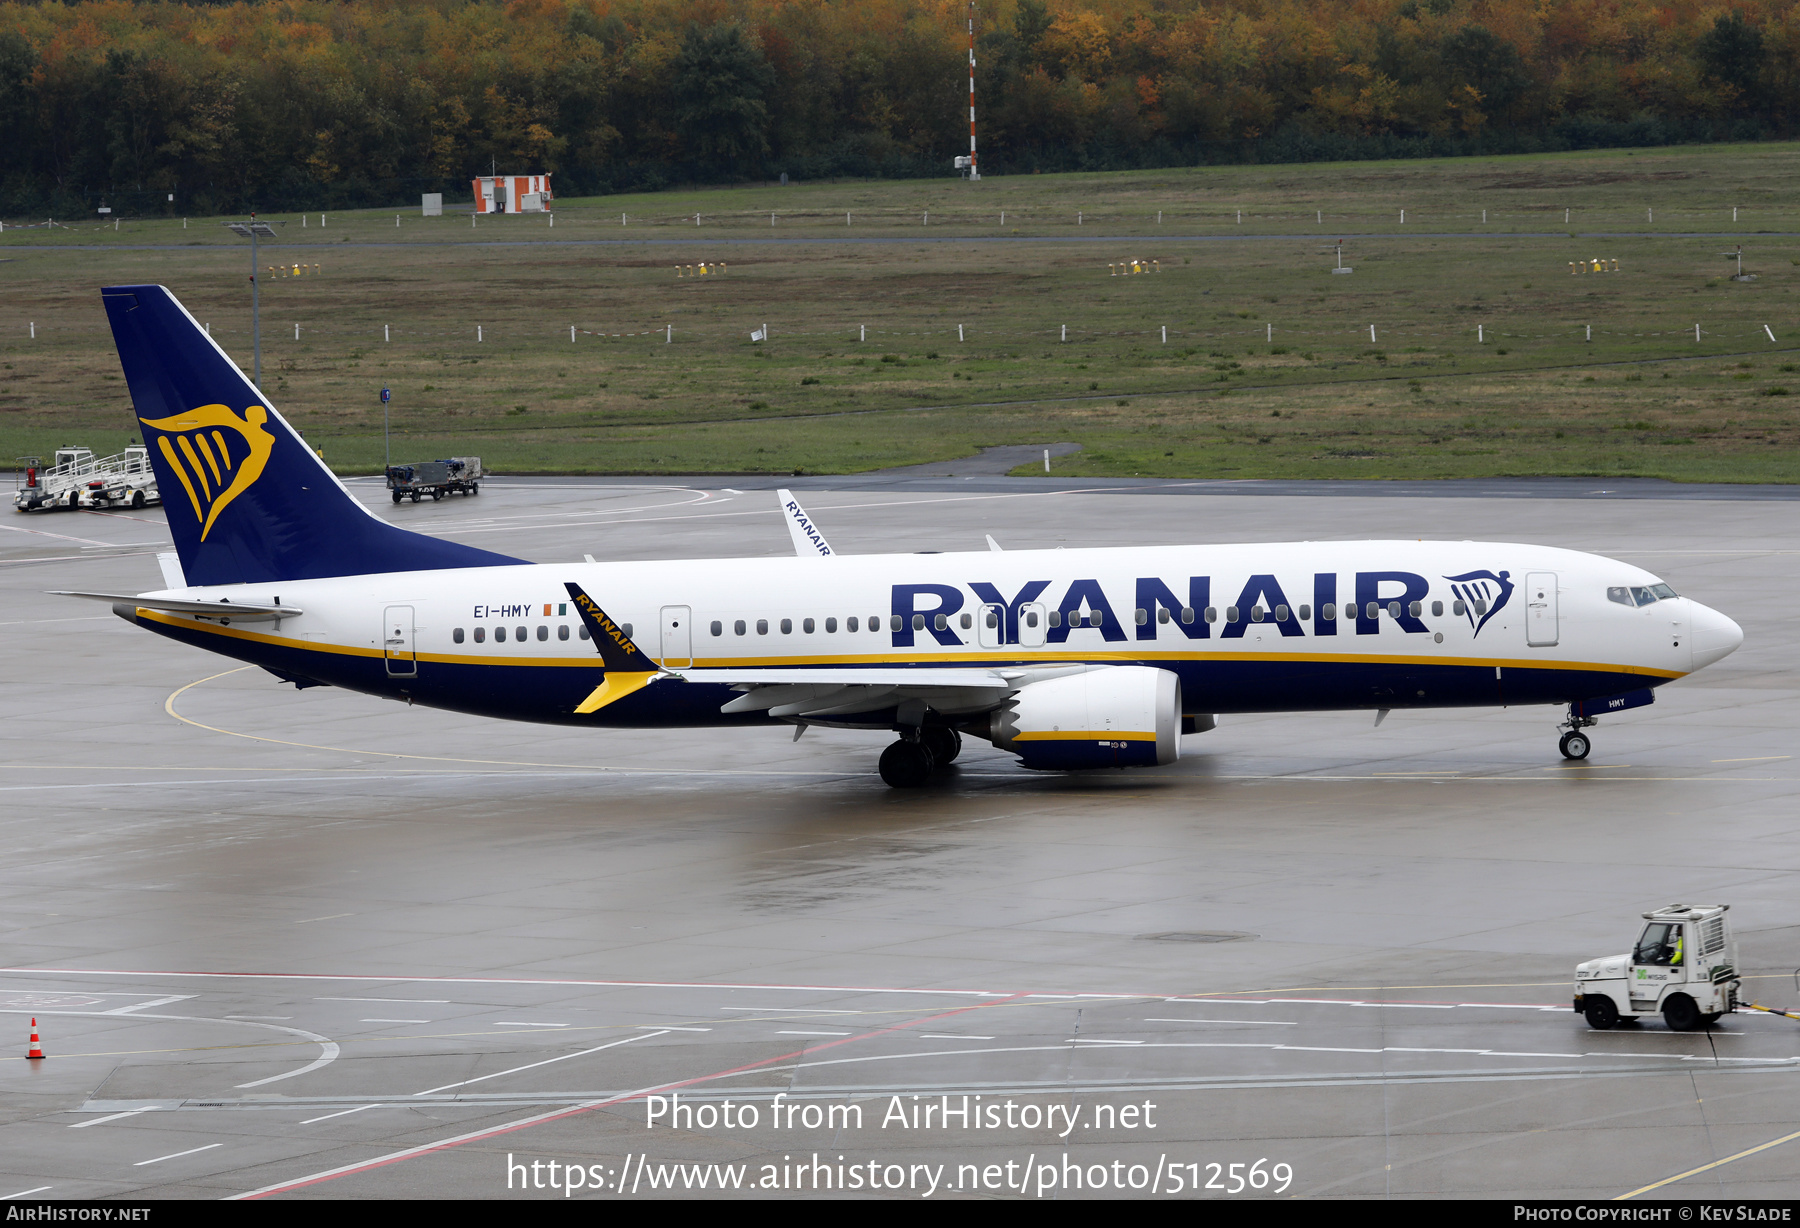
x: 215, y: 454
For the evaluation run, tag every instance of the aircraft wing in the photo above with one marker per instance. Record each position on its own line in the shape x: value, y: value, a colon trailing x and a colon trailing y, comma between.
x: 825, y: 692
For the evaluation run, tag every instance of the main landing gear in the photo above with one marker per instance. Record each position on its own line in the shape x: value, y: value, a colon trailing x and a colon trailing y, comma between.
x: 1574, y: 743
x: 919, y: 753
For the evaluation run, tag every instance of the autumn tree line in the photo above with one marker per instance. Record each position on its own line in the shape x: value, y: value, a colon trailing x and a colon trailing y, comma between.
x: 204, y: 108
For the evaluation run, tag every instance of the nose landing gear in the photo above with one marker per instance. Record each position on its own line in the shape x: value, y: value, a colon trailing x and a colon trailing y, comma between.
x: 1574, y: 743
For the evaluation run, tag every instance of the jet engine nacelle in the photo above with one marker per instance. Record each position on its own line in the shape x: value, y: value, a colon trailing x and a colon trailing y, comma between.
x: 1125, y: 716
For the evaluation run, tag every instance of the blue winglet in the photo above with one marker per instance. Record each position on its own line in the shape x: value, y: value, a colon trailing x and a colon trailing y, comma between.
x: 248, y: 501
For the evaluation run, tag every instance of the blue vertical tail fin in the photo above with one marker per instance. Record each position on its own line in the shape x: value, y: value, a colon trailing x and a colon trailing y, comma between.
x: 248, y: 501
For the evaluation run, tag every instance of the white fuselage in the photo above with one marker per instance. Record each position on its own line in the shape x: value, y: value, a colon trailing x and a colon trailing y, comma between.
x: 1256, y: 627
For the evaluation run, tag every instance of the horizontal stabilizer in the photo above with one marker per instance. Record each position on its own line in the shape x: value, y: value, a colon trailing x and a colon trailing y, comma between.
x: 199, y: 609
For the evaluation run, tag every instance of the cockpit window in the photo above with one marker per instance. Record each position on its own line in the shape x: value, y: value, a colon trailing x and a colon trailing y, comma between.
x: 1658, y: 944
x: 1640, y: 594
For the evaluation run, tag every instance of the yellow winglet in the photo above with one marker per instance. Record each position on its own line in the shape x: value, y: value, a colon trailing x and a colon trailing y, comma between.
x: 614, y: 686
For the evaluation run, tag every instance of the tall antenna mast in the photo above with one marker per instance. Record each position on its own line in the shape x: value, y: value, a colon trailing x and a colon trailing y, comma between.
x: 974, y: 170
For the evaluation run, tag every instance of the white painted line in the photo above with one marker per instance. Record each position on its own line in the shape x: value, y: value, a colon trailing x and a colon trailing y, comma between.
x: 393, y: 1021
x: 788, y: 1010
x: 792, y: 1033
x: 101, y: 1121
x: 949, y: 1036
x: 534, y: 981
x: 408, y: 1001
x: 526, y: 1023
x: 34, y: 1190
x: 669, y: 1027
x: 178, y: 1154
x: 1271, y: 1023
x: 278, y: 1018
x: 309, y: 1121
x: 534, y: 1065
x: 144, y: 1006
x: 1087, y: 1040
x: 333, y: 917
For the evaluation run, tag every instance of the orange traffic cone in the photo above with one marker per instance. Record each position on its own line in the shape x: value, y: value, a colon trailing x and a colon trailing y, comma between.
x: 37, y: 1048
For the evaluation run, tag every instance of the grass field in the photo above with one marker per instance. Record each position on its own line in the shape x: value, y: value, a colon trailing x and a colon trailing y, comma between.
x: 1268, y: 368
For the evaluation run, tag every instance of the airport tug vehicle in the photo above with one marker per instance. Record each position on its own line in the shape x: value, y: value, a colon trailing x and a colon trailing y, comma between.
x: 1684, y: 968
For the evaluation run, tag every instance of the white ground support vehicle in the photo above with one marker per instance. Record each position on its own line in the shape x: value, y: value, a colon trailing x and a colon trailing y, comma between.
x: 125, y: 480
x: 76, y: 478
x: 1684, y: 968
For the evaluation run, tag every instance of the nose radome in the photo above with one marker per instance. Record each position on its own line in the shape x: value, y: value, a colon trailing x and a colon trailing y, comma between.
x: 1712, y: 635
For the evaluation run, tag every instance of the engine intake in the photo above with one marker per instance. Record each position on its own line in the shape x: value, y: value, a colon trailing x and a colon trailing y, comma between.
x: 1124, y: 716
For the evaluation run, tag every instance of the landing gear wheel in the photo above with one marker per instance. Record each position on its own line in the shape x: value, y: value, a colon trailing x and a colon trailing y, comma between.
x: 1601, y: 1013
x: 1681, y: 1014
x: 945, y: 744
x: 1574, y: 745
x: 906, y: 765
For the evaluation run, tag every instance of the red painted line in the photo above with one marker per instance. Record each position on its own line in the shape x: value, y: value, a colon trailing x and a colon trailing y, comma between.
x: 511, y: 1127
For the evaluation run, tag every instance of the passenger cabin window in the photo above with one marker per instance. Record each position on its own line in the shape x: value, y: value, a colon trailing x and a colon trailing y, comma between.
x: 499, y: 635
x: 1416, y: 608
x: 894, y: 622
x: 967, y: 621
x: 1281, y: 613
x: 1481, y: 605
x: 940, y: 623
x: 762, y: 626
x: 850, y: 624
x: 787, y: 626
x: 456, y: 636
x: 1459, y: 607
x: 543, y: 633
x: 1437, y: 609
x: 919, y: 622
x: 1162, y: 614
x: 1055, y: 618
x: 1328, y: 611
x: 520, y: 633
x: 582, y: 631
x: 718, y: 628
x: 1374, y: 610
x: 1140, y: 616
x: 1031, y: 618
x: 1305, y: 613
x: 738, y: 627
x: 1256, y: 613
x: 1231, y: 613
x: 830, y: 625
x: 807, y: 626
x: 1212, y: 613
x: 562, y: 632
x: 480, y: 635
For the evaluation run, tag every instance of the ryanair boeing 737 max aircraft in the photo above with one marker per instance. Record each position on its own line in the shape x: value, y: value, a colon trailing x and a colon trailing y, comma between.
x: 1069, y: 659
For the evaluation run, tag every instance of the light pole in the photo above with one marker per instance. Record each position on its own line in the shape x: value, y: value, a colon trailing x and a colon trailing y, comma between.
x: 254, y: 230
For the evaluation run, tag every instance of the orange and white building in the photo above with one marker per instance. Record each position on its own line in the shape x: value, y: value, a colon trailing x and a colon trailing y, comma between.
x: 512, y: 194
